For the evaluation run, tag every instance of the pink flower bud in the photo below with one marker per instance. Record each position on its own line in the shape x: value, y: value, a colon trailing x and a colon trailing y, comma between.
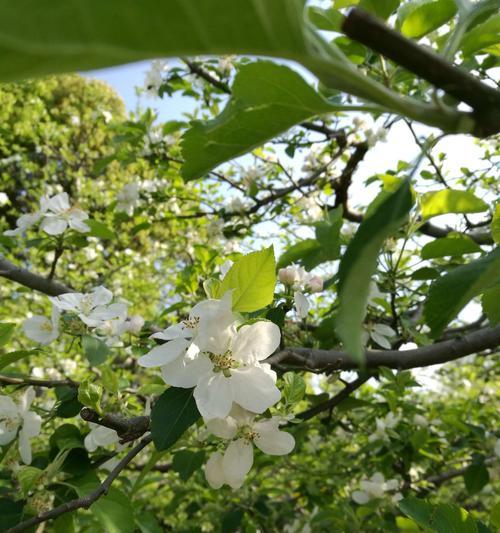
x: 315, y: 284
x: 288, y: 275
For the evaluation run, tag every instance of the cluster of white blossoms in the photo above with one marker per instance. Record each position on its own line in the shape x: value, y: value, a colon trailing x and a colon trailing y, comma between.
x: 128, y: 198
x: 371, y: 135
x: 155, y: 77
x: 376, y: 488
x: 298, y: 279
x: 55, y: 216
x: 94, y: 309
x: 223, y: 360
x: 16, y: 420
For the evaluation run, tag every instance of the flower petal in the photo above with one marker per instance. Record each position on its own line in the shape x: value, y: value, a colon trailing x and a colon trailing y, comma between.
x: 224, y: 428
x: 237, y: 462
x: 254, y: 389
x: 185, y: 373
x: 24, y: 447
x: 164, y: 354
x: 301, y: 304
x: 214, y: 471
x: 32, y: 424
x: 361, y: 497
x: 214, y: 396
x: 53, y: 225
x: 271, y: 440
x: 256, y: 342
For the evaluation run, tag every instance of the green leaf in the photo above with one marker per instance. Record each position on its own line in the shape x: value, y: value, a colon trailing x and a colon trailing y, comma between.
x: 98, y: 229
x: 359, y: 263
x: 90, y: 394
x: 303, y: 252
x: 55, y: 36
x: 491, y: 304
x: 450, y: 201
x: 418, y: 510
x: 252, y: 280
x: 267, y: 99
x: 495, y: 515
x: 294, y: 387
x: 476, y: 477
x: 231, y: 520
x: 173, y: 413
x: 482, y: 36
x: 11, y: 513
x: 381, y: 8
x: 450, y: 293
x: 148, y: 523
x: 420, y: 17
x: 96, y: 351
x: 186, y: 463
x: 449, y: 246
x: 325, y: 19
x: 6, y: 332
x: 495, y: 225
x: 28, y: 477
x: 452, y: 519
x: 66, y: 437
x: 13, y: 357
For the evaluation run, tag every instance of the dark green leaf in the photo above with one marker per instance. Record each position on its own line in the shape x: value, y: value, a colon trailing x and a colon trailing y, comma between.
x: 381, y: 8
x: 449, y: 294
x: 186, y: 463
x: 173, y: 413
x: 325, y: 19
x: 232, y: 520
x: 11, y: 513
x: 418, y: 510
x: 476, y: 477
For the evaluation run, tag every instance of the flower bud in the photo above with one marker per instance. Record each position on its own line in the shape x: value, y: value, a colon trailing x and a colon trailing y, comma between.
x: 315, y: 284
x: 135, y: 324
x: 288, y: 275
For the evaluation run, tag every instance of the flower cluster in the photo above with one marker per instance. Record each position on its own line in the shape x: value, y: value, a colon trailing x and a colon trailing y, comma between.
x: 300, y: 281
x: 222, y: 359
x: 154, y: 77
x: 18, y: 420
x: 55, y: 216
x: 128, y: 198
x: 375, y: 488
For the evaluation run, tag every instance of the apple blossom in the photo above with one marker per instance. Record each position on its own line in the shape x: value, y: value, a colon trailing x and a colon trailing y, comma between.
x: 18, y: 420
x: 41, y: 329
x: 127, y: 198
x: 134, y: 324
x: 382, y: 425
x: 154, y: 77
x: 99, y: 436
x: 23, y: 223
x: 58, y: 215
x: 375, y: 488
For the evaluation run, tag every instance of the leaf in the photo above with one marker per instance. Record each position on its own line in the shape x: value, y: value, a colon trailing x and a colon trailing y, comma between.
x: 449, y: 246
x: 252, y: 280
x: 11, y: 513
x: 452, y: 519
x: 476, y: 477
x: 50, y: 36
x: 359, y: 263
x: 173, y: 413
x: 90, y: 394
x: 450, y: 293
x: 482, y: 36
x: 267, y: 99
x: 450, y: 201
x: 66, y: 437
x: 418, y: 510
x: 294, y: 387
x: 381, y: 8
x: 98, y: 229
x: 495, y: 225
x: 301, y: 252
x: 28, y: 476
x: 6, y: 332
x: 13, y: 357
x: 420, y: 17
x: 186, y: 463
x: 491, y: 304
x: 96, y: 351
x: 231, y: 520
x: 325, y: 19
x: 148, y: 523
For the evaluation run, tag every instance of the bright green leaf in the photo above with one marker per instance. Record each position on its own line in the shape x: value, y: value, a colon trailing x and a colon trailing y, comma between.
x: 325, y: 19
x: 173, y: 413
x: 450, y: 201
x: 359, y: 263
x: 267, y: 99
x: 449, y: 246
x: 6, y: 332
x: 495, y: 225
x: 452, y: 519
x: 90, y: 394
x: 381, y: 8
x: 450, y: 293
x: 294, y: 387
x: 420, y: 17
x: 482, y: 36
x: 252, y: 279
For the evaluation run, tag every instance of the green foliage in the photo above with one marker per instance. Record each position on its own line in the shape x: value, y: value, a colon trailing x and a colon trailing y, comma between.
x: 13, y: 357
x: 358, y: 265
x: 294, y: 389
x: 252, y: 279
x: 6, y: 332
x: 450, y: 201
x: 90, y: 394
x: 491, y: 304
x: 186, y: 463
x: 95, y: 350
x: 419, y: 17
x: 454, y: 245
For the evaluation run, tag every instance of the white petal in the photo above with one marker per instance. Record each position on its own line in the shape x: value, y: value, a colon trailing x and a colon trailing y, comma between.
x: 67, y: 302
x: 185, y: 373
x: 256, y: 342
x: 378, y: 477
x: 58, y: 203
x: 26, y: 399
x: 391, y: 484
x: 301, y: 304
x: 164, y: 354
x: 214, y: 396
x: 224, y: 428
x: 380, y: 340
x: 271, y: 440
x: 101, y: 296
x: 53, y: 225
x: 237, y: 462
x: 32, y: 424
x: 254, y: 389
x: 24, y: 447
x: 39, y: 329
x: 384, y: 330
x: 172, y: 332
x: 360, y: 497
x: 214, y: 471
x: 6, y: 435
x: 78, y: 225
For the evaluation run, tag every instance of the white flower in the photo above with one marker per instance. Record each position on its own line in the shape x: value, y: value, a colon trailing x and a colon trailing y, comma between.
x: 380, y: 333
x: 374, y: 294
x: 241, y: 428
x: 23, y: 223
x: 375, y: 488
x: 301, y: 304
x: 17, y: 419
x: 226, y: 64
x: 250, y: 175
x: 420, y: 420
x: 315, y: 284
x: 92, y: 308
x: 100, y: 436
x: 236, y: 205
x: 382, y: 425
x: 299, y: 279
x: 127, y: 198
x: 41, y: 329
x: 58, y: 215
x: 310, y: 209
x: 4, y: 199
x: 134, y: 324
x: 215, y: 228
x: 154, y: 77
x: 107, y: 116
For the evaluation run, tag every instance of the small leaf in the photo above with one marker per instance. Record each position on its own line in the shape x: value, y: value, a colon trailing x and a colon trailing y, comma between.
x: 450, y: 201
x: 359, y: 263
x: 186, y: 462
x: 98, y: 229
x: 13, y: 357
x: 6, y: 332
x: 449, y: 246
x: 450, y: 293
x: 294, y: 387
x: 325, y: 19
x: 381, y: 8
x: 28, y: 477
x: 173, y: 413
x: 252, y: 279
x: 476, y: 477
x: 90, y: 394
x: 95, y: 350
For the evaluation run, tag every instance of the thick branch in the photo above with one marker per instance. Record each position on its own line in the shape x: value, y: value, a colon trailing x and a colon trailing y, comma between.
x: 29, y: 279
x: 441, y: 352
x: 485, y: 100
x: 85, y: 501
x: 127, y: 428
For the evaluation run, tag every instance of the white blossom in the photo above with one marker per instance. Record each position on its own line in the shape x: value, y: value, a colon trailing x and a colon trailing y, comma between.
x: 4, y: 199
x: 23, y: 223
x: 154, y: 77
x: 375, y: 488
x: 127, y: 198
x: 382, y: 425
x: 58, y: 215
x: 100, y: 436
x: 18, y: 420
x: 381, y: 334
x: 41, y: 329
x: 226, y: 64
x: 236, y: 205
x: 301, y: 281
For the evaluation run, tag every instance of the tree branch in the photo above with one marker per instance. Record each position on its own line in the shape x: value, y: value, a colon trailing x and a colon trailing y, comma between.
x: 85, y: 501
x: 441, y: 352
x: 128, y: 429
x: 29, y: 279
x: 48, y: 383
